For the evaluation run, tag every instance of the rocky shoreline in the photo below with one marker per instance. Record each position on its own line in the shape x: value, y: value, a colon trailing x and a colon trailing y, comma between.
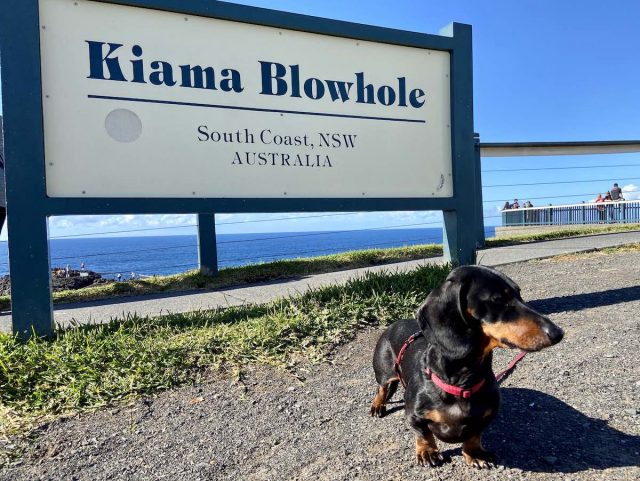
x: 60, y: 281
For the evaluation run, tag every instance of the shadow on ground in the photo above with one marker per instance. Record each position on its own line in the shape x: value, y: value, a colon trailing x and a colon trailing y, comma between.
x: 587, y: 300
x: 538, y: 432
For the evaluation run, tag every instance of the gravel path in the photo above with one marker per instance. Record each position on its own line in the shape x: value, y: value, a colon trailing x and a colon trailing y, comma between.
x: 571, y: 412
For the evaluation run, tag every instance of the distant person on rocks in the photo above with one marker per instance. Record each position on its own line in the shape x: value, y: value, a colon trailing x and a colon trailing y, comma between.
x: 82, y: 266
x: 119, y: 277
x: 133, y: 276
x: 67, y: 270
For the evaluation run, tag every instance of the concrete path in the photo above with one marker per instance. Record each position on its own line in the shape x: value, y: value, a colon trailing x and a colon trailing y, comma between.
x: 102, y: 311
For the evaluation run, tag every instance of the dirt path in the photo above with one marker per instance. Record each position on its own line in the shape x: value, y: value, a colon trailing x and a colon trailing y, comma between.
x: 570, y: 412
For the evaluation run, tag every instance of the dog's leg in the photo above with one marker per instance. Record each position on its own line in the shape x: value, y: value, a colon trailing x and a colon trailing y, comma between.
x: 385, y: 392
x: 475, y: 455
x: 427, y: 453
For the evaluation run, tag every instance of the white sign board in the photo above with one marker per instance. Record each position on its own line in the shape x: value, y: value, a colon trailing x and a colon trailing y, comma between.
x: 145, y: 103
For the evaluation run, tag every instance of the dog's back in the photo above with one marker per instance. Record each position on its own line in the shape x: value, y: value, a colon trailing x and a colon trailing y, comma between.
x: 388, y: 347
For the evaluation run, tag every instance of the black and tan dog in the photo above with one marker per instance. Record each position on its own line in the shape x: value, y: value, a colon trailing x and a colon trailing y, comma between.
x: 444, y: 359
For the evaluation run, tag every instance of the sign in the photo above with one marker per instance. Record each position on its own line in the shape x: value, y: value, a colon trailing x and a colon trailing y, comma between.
x: 207, y: 107
x: 155, y: 104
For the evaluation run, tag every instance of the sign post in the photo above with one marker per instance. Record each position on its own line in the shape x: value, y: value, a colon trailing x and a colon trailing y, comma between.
x: 207, y: 249
x: 106, y: 113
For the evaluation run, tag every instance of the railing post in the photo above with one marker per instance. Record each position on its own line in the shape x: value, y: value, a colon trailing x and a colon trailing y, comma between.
x: 480, y: 240
x: 207, y: 248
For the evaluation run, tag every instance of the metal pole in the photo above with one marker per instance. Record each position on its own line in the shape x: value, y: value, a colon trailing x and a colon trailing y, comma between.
x: 207, y: 248
x: 31, y: 309
x: 480, y: 240
x: 460, y: 224
x: 522, y: 149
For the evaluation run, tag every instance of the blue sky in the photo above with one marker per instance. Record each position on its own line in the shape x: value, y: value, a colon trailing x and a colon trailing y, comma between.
x: 543, y: 71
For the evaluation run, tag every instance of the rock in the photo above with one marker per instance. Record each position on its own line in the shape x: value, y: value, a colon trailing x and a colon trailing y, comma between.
x: 631, y: 412
x: 59, y: 281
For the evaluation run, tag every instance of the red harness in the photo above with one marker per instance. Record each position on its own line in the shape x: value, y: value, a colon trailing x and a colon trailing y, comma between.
x: 450, y: 388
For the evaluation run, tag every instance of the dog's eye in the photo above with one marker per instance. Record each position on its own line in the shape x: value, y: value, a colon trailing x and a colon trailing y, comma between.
x: 497, y: 298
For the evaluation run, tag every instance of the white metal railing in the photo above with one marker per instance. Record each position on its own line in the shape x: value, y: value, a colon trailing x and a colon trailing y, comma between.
x: 611, y: 212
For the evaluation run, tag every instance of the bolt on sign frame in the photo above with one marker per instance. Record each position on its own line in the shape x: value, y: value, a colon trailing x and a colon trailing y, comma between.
x: 64, y: 157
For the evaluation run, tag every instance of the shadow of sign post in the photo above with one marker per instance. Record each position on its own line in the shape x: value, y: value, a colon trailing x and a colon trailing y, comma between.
x: 302, y: 114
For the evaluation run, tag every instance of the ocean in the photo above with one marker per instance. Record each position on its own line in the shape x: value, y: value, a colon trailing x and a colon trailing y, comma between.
x: 163, y: 255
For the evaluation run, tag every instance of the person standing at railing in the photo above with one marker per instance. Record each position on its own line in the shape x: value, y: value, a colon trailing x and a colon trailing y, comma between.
x: 529, y: 213
x: 616, y: 193
x: 600, y: 208
x: 516, y: 204
x: 535, y: 214
x: 616, y: 196
x: 608, y: 200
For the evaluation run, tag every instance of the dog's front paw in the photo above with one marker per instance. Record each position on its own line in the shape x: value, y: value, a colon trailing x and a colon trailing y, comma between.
x: 480, y: 458
x: 378, y: 410
x: 427, y: 457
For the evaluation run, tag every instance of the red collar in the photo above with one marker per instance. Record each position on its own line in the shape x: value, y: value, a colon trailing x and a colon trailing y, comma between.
x: 448, y: 388
x: 455, y: 390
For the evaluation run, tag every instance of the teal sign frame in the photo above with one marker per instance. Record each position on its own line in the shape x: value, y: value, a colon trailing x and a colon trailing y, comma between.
x: 29, y: 206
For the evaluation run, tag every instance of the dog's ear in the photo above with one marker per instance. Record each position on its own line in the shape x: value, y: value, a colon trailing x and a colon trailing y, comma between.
x: 443, y: 318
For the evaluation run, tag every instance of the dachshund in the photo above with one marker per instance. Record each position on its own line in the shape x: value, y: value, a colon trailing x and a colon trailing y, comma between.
x: 443, y: 359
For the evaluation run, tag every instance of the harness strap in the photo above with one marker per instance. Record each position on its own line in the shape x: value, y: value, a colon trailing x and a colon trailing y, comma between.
x: 450, y: 388
x: 396, y: 366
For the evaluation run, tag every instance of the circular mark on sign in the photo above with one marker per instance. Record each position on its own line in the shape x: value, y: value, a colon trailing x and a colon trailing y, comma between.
x: 123, y: 125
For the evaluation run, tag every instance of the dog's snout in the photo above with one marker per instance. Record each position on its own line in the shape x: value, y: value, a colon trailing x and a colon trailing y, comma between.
x: 553, y: 332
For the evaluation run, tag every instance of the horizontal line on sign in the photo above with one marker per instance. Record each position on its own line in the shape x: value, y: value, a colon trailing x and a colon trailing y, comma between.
x: 252, y: 109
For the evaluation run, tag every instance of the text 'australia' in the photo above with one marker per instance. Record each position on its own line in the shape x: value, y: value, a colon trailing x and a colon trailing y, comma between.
x: 277, y: 159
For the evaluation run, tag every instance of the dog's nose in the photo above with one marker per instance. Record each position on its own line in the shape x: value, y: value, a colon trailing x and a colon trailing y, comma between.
x: 553, y: 332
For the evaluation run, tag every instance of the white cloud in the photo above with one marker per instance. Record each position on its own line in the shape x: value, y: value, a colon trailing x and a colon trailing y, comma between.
x: 107, y: 224
x: 631, y: 192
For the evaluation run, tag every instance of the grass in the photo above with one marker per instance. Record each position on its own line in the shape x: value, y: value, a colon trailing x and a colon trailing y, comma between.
x: 282, y: 269
x: 559, y: 234
x: 604, y: 251
x: 94, y: 366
